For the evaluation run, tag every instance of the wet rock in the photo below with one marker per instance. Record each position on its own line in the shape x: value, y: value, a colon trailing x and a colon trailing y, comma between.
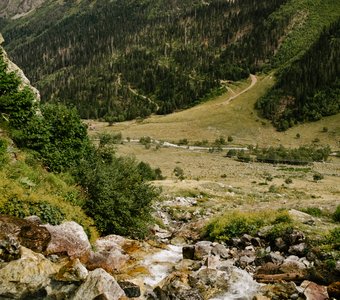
x: 111, y: 261
x: 9, y: 248
x: 313, y: 291
x: 188, y: 252
x: 73, y: 271
x: 69, y: 238
x: 131, y: 290
x: 299, y: 249
x: 334, y: 290
x: 28, y: 234
x: 202, y: 249
x: 212, y: 262
x: 26, y: 276
x: 212, y: 280
x: 220, y: 250
x: 98, y: 283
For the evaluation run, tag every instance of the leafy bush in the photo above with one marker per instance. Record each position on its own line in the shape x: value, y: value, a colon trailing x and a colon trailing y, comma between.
x: 336, y: 215
x: 179, y: 173
x: 334, y: 238
x: 235, y: 224
x: 118, y: 198
x: 313, y: 211
x: 317, y: 176
x: 3, y: 152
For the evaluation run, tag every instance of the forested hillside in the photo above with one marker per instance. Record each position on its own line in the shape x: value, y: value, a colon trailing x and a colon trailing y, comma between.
x: 310, y: 87
x: 126, y: 59
x: 131, y: 58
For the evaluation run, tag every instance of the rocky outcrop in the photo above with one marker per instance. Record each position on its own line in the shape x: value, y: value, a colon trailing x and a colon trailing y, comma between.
x: 18, y: 8
x: 12, y: 67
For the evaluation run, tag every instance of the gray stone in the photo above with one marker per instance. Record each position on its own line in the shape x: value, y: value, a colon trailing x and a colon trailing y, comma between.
x: 34, y: 219
x: 9, y: 248
x: 299, y: 249
x: 202, y: 249
x: 280, y: 243
x: 220, y: 250
x: 98, y: 283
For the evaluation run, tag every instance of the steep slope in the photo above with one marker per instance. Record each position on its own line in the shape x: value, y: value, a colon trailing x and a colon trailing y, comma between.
x: 18, y: 8
x: 126, y: 59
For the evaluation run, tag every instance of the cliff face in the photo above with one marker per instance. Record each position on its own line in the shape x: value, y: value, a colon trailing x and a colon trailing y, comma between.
x: 17, y: 8
x: 12, y: 67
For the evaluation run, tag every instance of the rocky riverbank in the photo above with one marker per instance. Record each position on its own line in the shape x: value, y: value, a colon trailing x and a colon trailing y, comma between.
x: 41, y: 261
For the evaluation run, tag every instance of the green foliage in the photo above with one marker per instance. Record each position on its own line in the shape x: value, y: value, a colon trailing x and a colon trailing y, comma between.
x: 289, y: 180
x: 236, y: 224
x: 183, y: 142
x: 333, y: 238
x: 313, y: 211
x: 3, y: 152
x: 231, y: 153
x: 317, y: 176
x: 299, y: 156
x: 107, y: 139
x: 336, y: 214
x: 309, y: 87
x: 230, y: 138
x: 179, y: 172
x: 118, y: 198
x: 148, y: 173
x: 48, y: 213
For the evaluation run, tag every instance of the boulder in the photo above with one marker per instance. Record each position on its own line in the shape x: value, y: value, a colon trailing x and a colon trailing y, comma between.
x: 27, y: 276
x: 279, y: 291
x: 99, y: 284
x: 69, y: 238
x: 27, y: 233
x: 73, y: 271
x: 293, y: 266
x: 280, y: 243
x: 299, y: 249
x: 202, y: 249
x: 111, y: 261
x: 313, y: 291
x: 334, y: 290
x: 220, y: 250
x: 131, y: 290
x: 188, y: 252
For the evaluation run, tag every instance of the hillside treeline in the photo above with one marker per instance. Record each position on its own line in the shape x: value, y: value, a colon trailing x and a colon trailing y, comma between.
x: 309, y: 88
x: 128, y: 59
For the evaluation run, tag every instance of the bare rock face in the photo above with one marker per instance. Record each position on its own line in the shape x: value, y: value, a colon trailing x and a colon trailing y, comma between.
x: 18, y: 8
x: 27, y: 276
x: 99, y: 284
x: 73, y: 271
x: 69, y: 238
x: 27, y: 233
x: 12, y: 67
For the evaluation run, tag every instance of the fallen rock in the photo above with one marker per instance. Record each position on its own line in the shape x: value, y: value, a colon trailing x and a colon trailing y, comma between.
x: 99, y: 283
x: 313, y: 291
x: 69, y: 238
x: 28, y: 234
x: 27, y: 276
x: 202, y: 249
x: 220, y: 250
x: 299, y: 249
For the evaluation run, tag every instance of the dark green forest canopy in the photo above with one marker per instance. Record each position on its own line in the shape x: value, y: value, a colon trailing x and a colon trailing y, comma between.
x: 131, y: 58
x: 309, y: 88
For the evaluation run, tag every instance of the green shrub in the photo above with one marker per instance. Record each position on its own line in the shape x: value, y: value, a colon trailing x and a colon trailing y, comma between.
x: 336, y: 215
x: 3, y: 152
x: 334, y: 238
x: 288, y: 180
x: 317, y: 177
x: 47, y: 212
x: 179, y: 173
x: 313, y: 211
x: 235, y: 224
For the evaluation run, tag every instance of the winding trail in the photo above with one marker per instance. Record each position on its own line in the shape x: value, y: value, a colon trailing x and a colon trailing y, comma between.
x: 253, y: 82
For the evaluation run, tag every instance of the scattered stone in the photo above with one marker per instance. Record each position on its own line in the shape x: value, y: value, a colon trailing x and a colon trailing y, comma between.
x: 313, y: 291
x: 299, y: 249
x: 131, y: 290
x: 293, y: 266
x: 34, y: 219
x: 99, y: 283
x: 295, y: 237
x: 70, y: 238
x: 212, y: 262
x: 188, y: 252
x: 256, y: 242
x: 280, y: 243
